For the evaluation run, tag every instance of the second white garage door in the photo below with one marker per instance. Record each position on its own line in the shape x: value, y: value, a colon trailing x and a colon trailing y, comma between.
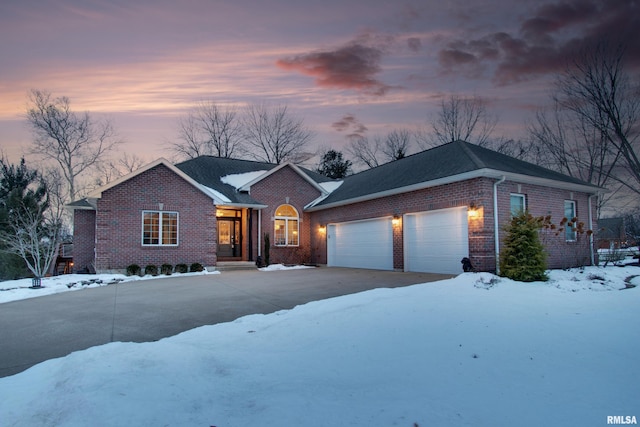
x: 436, y: 241
x: 361, y: 244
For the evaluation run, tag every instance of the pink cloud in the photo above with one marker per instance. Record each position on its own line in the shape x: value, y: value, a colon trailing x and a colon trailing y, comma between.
x: 353, y: 66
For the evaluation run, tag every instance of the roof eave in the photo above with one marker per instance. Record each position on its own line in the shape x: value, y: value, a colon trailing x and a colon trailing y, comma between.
x: 242, y: 205
x: 548, y: 182
x: 399, y: 190
x: 478, y: 173
x: 92, y: 205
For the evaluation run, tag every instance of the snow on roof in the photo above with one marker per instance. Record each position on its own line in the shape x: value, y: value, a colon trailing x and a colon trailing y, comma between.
x: 238, y: 180
x: 330, y: 186
x: 216, y: 195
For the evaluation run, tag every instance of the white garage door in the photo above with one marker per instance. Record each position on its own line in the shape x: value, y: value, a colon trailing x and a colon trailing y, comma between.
x: 436, y: 241
x: 361, y: 244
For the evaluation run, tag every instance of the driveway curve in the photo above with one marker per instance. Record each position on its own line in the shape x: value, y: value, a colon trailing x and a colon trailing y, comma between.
x: 38, y: 329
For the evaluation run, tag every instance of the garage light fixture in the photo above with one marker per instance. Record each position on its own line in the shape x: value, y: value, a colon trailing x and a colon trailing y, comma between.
x: 396, y: 220
x: 473, y: 211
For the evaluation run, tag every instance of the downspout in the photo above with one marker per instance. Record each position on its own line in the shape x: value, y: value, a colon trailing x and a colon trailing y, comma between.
x: 591, y: 253
x: 496, y: 227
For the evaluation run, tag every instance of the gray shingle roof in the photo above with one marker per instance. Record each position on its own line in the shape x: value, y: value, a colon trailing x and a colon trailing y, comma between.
x: 440, y: 162
x: 207, y: 170
x: 81, y: 204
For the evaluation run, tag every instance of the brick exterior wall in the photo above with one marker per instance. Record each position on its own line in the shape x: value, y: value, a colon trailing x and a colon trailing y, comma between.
x: 116, y: 228
x: 543, y: 201
x: 479, y: 192
x: 440, y: 197
x: 119, y: 222
x: 84, y: 240
x: 275, y: 190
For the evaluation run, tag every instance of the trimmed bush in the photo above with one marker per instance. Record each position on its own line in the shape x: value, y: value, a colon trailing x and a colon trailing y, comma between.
x: 196, y: 267
x: 151, y: 269
x: 267, y: 249
x: 133, y: 270
x: 182, y: 268
x: 166, y: 269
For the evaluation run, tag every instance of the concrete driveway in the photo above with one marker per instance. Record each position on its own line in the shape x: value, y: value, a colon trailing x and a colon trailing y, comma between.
x: 43, y: 328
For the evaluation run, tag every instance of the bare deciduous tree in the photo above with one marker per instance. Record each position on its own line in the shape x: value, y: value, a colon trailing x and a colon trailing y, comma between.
x: 568, y: 144
x: 274, y: 134
x: 596, y: 88
x: 397, y: 144
x: 460, y: 118
x: 111, y: 170
x: 572, y: 146
x: 365, y: 151
x: 372, y: 152
x: 209, y: 129
x: 74, y: 141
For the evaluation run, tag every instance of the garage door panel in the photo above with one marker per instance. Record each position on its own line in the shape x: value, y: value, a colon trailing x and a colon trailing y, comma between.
x: 436, y: 241
x: 361, y: 244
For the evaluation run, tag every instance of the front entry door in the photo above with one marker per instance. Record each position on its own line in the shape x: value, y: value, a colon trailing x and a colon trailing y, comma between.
x: 229, y: 238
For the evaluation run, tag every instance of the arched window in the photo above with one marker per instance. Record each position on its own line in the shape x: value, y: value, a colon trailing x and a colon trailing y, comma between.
x: 286, y: 226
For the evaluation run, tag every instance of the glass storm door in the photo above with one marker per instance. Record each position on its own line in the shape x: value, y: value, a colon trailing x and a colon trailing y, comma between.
x: 229, y: 241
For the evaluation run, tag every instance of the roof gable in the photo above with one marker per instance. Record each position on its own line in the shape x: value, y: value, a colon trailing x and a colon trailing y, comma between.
x: 234, y: 177
x: 160, y: 162
x: 278, y: 168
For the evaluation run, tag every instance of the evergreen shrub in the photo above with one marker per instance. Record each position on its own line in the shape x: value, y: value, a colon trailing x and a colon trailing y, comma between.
x: 182, y: 268
x: 523, y: 257
x: 133, y: 270
x: 267, y: 249
x: 166, y: 269
x: 151, y: 269
x: 196, y: 267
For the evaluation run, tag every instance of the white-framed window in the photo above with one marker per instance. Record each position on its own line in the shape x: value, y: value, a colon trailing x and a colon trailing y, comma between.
x: 159, y: 228
x: 570, y: 215
x: 286, y: 226
x: 517, y: 204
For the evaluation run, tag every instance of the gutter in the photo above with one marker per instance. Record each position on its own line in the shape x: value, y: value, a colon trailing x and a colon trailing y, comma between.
x: 477, y: 173
x: 496, y: 227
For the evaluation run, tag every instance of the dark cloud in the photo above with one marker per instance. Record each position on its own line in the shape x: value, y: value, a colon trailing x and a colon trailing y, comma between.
x: 353, y: 66
x: 349, y: 123
x: 546, y: 40
x: 414, y: 44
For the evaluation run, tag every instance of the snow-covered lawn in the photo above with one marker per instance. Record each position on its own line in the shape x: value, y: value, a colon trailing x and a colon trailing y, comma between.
x: 21, y: 289
x: 476, y: 350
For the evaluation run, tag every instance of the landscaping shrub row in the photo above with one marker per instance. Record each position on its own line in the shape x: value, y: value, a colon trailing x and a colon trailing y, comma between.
x: 165, y: 269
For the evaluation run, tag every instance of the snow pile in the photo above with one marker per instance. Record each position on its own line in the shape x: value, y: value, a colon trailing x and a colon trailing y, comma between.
x: 280, y: 267
x: 475, y: 350
x: 14, y: 290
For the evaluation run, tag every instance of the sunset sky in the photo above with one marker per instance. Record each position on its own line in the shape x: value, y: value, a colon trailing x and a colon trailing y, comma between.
x: 345, y: 66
